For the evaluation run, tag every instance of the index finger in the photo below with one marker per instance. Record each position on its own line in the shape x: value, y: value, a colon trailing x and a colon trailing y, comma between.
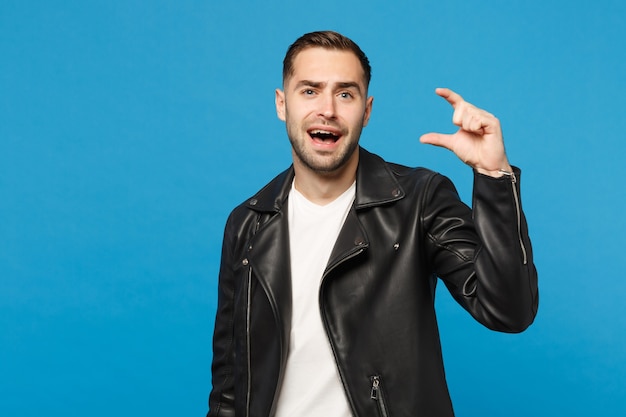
x: 451, y: 97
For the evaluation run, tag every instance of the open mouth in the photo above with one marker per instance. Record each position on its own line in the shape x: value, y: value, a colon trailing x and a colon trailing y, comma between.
x: 324, y: 136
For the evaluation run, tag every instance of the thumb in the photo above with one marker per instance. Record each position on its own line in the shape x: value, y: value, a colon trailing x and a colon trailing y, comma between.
x: 437, y: 139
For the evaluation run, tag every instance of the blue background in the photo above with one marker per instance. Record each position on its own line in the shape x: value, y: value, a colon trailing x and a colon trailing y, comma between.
x: 129, y: 130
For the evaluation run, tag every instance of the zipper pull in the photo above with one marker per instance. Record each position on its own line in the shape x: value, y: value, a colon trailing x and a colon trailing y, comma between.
x: 509, y: 174
x: 375, y: 384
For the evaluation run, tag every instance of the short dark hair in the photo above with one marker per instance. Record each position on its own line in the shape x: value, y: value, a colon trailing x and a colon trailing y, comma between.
x: 328, y: 40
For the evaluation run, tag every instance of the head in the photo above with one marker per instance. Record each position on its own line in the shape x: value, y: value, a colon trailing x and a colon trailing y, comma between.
x: 326, y: 40
x: 324, y: 101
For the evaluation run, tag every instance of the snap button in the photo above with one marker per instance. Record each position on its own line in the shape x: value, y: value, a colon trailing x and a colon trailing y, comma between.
x: 253, y: 202
x: 245, y: 262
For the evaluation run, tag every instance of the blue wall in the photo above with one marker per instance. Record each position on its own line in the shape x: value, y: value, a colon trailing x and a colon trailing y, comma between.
x: 128, y: 130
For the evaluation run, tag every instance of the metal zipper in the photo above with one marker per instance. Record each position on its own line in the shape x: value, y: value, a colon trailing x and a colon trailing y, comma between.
x: 376, y: 394
x: 248, y: 364
x: 513, y: 178
x: 248, y: 315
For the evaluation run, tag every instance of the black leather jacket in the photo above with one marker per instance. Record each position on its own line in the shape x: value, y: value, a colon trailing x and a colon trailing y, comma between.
x: 407, y: 226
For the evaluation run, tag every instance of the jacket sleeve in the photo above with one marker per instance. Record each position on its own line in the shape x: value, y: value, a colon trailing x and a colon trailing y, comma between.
x: 484, y: 255
x: 222, y: 397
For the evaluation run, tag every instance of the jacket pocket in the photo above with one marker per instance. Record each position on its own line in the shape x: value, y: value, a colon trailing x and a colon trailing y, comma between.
x: 377, y: 395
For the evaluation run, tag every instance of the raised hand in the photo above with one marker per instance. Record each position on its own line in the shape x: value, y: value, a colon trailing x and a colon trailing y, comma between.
x: 478, y: 142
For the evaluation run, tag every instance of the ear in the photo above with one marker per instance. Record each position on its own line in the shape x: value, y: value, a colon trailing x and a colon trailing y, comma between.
x: 368, y: 110
x: 280, y: 104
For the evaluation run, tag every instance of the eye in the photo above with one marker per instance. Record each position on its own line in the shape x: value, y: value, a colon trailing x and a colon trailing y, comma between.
x: 308, y: 92
x: 345, y: 94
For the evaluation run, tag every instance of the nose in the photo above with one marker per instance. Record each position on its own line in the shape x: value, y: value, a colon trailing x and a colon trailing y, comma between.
x: 327, y: 106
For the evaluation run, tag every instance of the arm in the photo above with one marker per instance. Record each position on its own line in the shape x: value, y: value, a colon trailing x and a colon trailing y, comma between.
x: 485, y: 256
x: 222, y: 398
x: 505, y: 251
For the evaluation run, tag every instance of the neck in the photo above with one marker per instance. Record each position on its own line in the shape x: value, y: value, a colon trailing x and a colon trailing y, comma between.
x: 322, y: 188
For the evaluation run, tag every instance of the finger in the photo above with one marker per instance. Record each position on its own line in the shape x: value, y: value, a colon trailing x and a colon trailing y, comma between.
x: 477, y: 120
x: 437, y: 139
x: 450, y: 96
x: 459, y: 115
x: 474, y: 123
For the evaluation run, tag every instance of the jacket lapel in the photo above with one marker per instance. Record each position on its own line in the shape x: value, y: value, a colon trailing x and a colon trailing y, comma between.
x: 268, y: 251
x: 269, y: 259
x: 352, y: 240
x: 375, y: 185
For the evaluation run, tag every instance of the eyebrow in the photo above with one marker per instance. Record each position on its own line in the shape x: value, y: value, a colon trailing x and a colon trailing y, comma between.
x: 320, y: 84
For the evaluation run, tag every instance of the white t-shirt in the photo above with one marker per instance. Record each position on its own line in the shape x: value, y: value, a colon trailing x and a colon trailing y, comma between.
x: 311, y: 385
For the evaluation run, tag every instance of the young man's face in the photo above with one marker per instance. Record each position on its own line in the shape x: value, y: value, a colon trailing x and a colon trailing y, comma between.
x: 325, y: 107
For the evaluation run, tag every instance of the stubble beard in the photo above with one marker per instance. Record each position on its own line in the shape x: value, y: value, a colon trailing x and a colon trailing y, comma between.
x: 324, y: 164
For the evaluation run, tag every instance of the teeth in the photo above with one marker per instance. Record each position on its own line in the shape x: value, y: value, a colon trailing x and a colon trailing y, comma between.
x: 322, y: 132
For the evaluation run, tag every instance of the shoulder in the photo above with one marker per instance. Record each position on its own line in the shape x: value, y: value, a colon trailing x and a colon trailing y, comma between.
x: 409, y: 177
x: 372, y: 161
x: 269, y: 199
x: 380, y: 183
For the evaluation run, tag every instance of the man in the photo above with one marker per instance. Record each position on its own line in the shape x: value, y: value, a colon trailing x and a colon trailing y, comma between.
x: 328, y: 274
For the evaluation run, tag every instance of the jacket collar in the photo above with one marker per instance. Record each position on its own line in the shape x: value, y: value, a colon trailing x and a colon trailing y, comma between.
x: 375, y: 185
